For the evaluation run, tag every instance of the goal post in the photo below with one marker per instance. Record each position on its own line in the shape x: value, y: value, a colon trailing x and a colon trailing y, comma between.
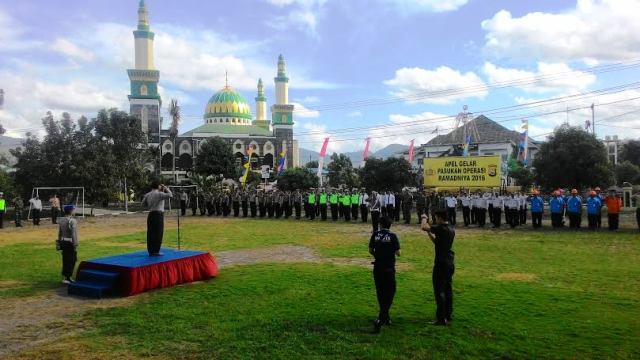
x: 67, y: 195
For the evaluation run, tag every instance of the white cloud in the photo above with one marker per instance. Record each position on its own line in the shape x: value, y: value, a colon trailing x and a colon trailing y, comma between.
x: 303, y: 15
x: 442, y: 85
x: 423, y: 129
x: 429, y: 5
x: 557, y: 77
x: 71, y: 50
x: 12, y: 34
x: 316, y: 133
x: 356, y: 113
x: 302, y: 111
x: 596, y: 30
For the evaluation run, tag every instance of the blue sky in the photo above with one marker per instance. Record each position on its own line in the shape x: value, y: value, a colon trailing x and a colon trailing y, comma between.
x: 72, y: 56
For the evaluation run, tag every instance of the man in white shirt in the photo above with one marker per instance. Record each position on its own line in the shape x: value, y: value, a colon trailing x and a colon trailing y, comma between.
x: 384, y: 199
x: 364, y: 201
x: 481, y: 210
x: 391, y: 204
x: 512, y: 210
x: 36, y: 209
x: 451, y: 203
x: 497, y: 203
x: 465, y: 202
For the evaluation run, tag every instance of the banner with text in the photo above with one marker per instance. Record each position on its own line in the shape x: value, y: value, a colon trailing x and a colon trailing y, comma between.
x: 470, y: 171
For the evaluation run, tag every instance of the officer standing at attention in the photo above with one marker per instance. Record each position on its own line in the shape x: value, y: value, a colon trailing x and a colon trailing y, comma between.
x: 384, y: 246
x: 451, y: 203
x: 333, y: 203
x: 375, y: 208
x: 593, y: 210
x: 497, y: 204
x: 253, y: 203
x: 407, y: 204
x: 465, y: 201
x: 3, y: 209
x: 420, y: 204
x: 322, y: 201
x: 355, y: 204
x: 36, y: 206
x: 297, y: 203
x: 346, y: 204
x: 364, y: 201
x: 311, y: 201
x: 184, y: 200
x: 54, y: 202
x: 154, y: 202
x: 442, y: 235
x: 557, y: 206
x: 18, y: 207
x: 68, y: 238
x: 193, y: 201
x: 537, y: 207
x: 244, y: 203
x: 574, y: 208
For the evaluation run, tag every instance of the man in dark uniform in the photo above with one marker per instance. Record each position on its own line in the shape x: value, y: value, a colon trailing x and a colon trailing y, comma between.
x: 253, y: 203
x: 193, y: 201
x: 244, y: 203
x: 333, y: 203
x: 397, y: 207
x: 236, y: 203
x: 184, y: 202
x: 297, y: 203
x: 384, y: 246
x: 355, y: 204
x: 18, y: 207
x: 420, y: 204
x: 442, y: 235
x: 202, y: 203
x: 287, y: 205
x: 262, y: 204
x: 364, y: 202
x: 407, y: 204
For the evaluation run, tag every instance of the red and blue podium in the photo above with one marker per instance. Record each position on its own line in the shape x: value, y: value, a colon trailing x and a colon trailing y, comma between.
x: 134, y: 273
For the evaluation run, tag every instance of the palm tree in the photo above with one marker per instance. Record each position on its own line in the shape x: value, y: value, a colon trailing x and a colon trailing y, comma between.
x: 174, y: 111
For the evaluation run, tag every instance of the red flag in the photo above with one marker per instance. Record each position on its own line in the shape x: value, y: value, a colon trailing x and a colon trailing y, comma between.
x: 323, y: 151
x: 365, y: 154
x: 411, y: 151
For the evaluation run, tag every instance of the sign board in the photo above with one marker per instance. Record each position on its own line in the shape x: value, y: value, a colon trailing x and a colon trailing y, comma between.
x: 264, y: 171
x: 458, y: 171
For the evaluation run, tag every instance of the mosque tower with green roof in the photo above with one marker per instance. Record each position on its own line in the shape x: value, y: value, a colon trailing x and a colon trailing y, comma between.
x: 144, y: 100
x: 282, y: 115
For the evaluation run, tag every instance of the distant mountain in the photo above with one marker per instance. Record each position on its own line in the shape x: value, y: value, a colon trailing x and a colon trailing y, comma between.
x: 355, y: 156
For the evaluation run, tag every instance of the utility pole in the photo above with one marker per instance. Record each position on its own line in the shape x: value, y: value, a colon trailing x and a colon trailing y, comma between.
x: 593, y: 119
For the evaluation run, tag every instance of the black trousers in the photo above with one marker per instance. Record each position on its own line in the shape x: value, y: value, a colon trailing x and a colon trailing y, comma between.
x: 203, y: 208
x: 253, y: 208
x: 263, y: 210
x: 638, y: 217
x: 385, y: 291
x: 513, y: 217
x: 523, y: 216
x: 17, y: 218
x: 451, y: 215
x: 36, y: 216
x: 298, y: 209
x: 1, y: 219
x: 593, y: 221
x: 354, y: 212
x: 490, y: 213
x: 474, y: 215
x: 556, y: 220
x: 334, y: 212
x: 287, y: 210
x: 442, y: 279
x: 54, y: 215
x: 481, y: 217
x: 466, y: 215
x: 347, y: 213
x: 390, y: 211
x: 497, y: 217
x: 364, y: 212
x: 614, y: 221
x: 536, y: 219
x: 270, y: 210
x: 599, y: 219
x: 375, y: 220
x: 155, y: 231
x: 406, y: 215
x: 278, y: 210
x: 311, y: 212
x: 245, y: 209
x: 573, y: 220
x: 396, y: 212
x: 323, y: 212
x: 69, y: 258
x: 194, y: 209
x: 419, y: 211
x: 236, y: 208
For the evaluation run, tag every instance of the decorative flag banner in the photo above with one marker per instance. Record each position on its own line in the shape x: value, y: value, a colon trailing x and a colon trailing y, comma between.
x: 365, y: 154
x: 323, y: 153
x: 282, y: 163
x: 247, y: 167
x: 524, y: 142
x: 465, y: 146
x: 411, y: 151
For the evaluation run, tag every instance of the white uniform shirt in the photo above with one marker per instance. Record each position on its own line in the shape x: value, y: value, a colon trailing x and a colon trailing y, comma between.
x: 364, y: 199
x: 512, y: 203
x: 481, y: 203
x: 465, y: 201
x: 392, y: 200
x: 36, y: 204
x: 451, y: 201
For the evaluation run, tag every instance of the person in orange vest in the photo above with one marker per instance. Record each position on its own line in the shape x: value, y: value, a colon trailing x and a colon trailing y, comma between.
x: 613, y: 202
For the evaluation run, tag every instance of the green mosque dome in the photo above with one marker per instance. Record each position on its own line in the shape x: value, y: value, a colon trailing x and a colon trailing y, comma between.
x: 228, y: 106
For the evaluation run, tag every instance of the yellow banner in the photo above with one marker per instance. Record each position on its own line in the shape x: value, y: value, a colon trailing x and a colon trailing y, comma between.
x: 479, y: 171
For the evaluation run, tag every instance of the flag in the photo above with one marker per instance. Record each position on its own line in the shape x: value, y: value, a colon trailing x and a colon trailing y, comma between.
x: 411, y: 151
x: 365, y: 154
x: 282, y: 162
x: 465, y: 146
x: 524, y: 142
x: 247, y: 167
x: 323, y: 153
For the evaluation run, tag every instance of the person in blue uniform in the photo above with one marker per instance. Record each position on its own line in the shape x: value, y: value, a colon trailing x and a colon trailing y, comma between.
x: 537, y: 208
x: 574, y: 209
x: 594, y: 204
x: 556, y: 205
x: 384, y: 246
x: 442, y: 235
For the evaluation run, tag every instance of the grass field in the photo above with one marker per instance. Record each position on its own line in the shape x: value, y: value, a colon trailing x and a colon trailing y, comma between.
x: 518, y: 294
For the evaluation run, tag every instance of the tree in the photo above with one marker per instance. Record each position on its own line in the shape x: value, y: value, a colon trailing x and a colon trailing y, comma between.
x: 215, y: 157
x: 572, y: 158
x: 297, y: 178
x: 631, y: 152
x: 391, y: 174
x: 313, y: 164
x: 626, y: 171
x: 341, y: 171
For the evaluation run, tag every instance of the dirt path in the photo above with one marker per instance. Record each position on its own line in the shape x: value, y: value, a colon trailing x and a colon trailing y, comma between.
x: 29, y: 322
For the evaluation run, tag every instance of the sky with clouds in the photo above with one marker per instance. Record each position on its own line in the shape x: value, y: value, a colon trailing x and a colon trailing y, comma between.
x: 392, y: 70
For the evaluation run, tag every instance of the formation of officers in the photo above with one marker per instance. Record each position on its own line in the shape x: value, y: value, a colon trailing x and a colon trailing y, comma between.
x: 477, y: 208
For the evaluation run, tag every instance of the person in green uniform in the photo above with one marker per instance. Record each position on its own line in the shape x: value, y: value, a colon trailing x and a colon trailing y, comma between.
x: 355, y: 204
x: 3, y: 208
x: 311, y: 200
x: 322, y: 201
x: 333, y: 202
x: 18, y: 207
x: 346, y: 203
